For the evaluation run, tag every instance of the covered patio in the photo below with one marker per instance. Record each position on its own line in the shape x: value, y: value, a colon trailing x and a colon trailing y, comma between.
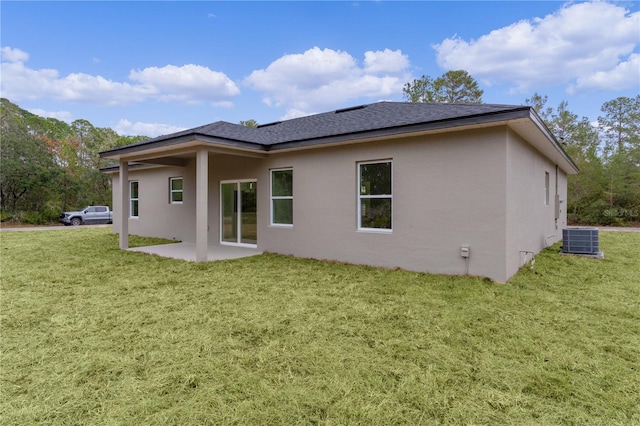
x: 179, y: 154
x: 187, y: 251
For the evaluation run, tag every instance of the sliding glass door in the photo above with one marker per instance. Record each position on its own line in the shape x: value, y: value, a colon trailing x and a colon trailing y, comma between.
x: 238, y: 215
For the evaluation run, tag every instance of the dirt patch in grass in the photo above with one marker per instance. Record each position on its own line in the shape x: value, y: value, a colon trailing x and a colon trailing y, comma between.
x: 93, y: 335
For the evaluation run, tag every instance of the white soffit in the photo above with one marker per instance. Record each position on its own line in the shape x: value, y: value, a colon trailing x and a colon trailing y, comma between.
x: 538, y: 138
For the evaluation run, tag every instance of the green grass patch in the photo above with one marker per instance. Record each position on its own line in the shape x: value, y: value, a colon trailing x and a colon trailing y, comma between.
x: 94, y: 335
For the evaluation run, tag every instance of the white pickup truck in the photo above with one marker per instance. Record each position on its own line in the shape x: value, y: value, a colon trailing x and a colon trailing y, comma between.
x: 89, y: 215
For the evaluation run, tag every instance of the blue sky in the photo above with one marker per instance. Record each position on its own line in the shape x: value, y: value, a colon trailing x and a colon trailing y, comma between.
x: 155, y: 67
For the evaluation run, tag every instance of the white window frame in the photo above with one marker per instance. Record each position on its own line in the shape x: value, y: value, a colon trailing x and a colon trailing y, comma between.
x: 361, y: 197
x: 175, y: 191
x: 132, y: 199
x: 236, y: 182
x: 279, y: 197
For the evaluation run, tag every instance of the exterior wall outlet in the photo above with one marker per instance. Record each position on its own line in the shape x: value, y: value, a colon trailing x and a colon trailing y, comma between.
x: 465, y: 251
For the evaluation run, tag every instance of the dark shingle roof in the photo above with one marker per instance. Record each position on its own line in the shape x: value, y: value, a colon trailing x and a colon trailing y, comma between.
x: 381, y: 115
x: 344, y: 124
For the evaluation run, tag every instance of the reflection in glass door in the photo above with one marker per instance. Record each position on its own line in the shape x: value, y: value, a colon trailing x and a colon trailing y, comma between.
x: 229, y: 214
x: 238, y: 218
x: 248, y: 219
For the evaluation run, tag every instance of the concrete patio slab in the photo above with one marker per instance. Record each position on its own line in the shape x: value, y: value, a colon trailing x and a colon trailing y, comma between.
x: 187, y: 251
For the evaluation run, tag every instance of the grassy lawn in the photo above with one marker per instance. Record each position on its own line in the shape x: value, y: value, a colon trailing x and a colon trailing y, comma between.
x: 94, y: 335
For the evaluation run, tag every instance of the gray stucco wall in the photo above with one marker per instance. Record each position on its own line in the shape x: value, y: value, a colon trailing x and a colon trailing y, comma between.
x: 481, y: 189
x: 531, y: 224
x: 157, y: 217
x: 448, y: 190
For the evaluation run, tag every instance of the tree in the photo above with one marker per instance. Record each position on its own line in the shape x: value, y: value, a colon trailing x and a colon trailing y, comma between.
x: 451, y: 87
x: 620, y: 129
x: 249, y: 123
x: 620, y: 125
x: 420, y: 90
x: 128, y: 140
x: 539, y: 104
x: 26, y: 166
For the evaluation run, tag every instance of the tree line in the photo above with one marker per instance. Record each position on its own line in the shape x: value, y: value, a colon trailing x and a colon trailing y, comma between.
x: 607, y: 189
x: 48, y: 166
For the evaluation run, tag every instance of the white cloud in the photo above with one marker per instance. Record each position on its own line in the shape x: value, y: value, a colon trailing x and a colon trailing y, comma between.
x: 575, y: 44
x: 186, y: 84
x: 125, y: 127
x: 293, y: 113
x: 22, y: 83
x: 13, y: 55
x: 626, y: 74
x: 391, y: 61
x: 307, y: 70
x: 319, y: 79
x: 58, y: 115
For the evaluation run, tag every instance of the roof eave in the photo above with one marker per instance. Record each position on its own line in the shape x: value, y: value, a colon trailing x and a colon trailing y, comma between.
x: 113, y: 169
x: 545, y: 130
x: 191, y: 139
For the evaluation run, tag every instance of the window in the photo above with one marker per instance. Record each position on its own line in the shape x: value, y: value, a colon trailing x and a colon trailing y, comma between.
x: 282, y: 197
x: 375, y: 196
x: 546, y: 188
x: 101, y: 209
x: 175, y: 190
x: 133, y: 198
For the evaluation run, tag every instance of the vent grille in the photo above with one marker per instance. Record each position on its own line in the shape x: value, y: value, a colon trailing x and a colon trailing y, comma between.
x: 580, y: 241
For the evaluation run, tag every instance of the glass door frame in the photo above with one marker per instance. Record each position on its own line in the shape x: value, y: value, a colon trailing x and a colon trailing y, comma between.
x: 238, y: 203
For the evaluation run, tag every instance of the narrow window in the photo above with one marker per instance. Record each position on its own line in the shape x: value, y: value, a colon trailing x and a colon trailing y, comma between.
x: 175, y: 190
x: 133, y: 198
x: 546, y: 188
x: 375, y: 199
x: 282, y: 197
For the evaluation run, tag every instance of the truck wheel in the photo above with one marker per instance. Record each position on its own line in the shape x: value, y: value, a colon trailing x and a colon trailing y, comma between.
x: 76, y: 221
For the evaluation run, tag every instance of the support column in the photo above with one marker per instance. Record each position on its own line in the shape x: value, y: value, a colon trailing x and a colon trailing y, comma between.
x: 124, y: 205
x: 202, y: 205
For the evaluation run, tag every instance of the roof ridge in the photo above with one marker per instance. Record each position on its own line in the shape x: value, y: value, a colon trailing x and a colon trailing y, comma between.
x: 213, y: 125
x: 373, y: 117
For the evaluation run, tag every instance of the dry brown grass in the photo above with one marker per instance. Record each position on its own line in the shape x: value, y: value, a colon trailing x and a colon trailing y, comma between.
x: 94, y: 335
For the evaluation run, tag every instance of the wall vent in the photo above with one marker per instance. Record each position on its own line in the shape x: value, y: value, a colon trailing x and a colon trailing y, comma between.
x: 581, y: 241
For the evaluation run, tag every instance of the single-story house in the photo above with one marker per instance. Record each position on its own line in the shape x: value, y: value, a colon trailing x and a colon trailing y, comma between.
x: 442, y: 188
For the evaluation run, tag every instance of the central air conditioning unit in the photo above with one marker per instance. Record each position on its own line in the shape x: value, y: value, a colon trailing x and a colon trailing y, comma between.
x: 582, y: 241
